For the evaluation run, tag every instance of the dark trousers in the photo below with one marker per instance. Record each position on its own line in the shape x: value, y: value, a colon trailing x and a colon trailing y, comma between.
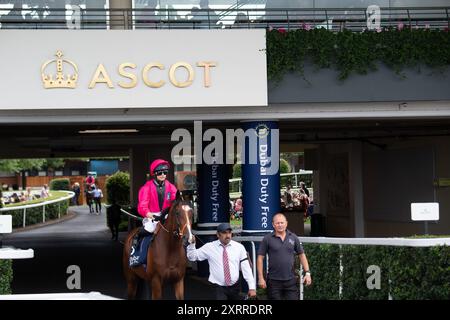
x: 282, y: 289
x: 114, y: 230
x: 228, y: 293
x: 98, y: 204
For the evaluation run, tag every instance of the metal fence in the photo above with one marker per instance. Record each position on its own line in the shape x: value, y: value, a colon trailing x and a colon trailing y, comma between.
x: 354, y: 19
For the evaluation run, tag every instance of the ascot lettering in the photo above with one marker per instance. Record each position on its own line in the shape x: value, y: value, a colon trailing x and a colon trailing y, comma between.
x: 127, y: 70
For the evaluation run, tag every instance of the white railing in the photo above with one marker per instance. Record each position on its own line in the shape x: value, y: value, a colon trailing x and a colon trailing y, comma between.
x: 70, y: 195
x: 345, y: 241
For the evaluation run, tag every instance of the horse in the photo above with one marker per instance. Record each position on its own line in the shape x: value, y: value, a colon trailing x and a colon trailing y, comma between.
x: 166, y: 255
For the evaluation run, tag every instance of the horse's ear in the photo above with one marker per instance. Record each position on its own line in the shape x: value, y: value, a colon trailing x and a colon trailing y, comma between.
x: 179, y: 195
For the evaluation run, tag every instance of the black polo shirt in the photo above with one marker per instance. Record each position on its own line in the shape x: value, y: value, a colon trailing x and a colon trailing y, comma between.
x: 281, y: 254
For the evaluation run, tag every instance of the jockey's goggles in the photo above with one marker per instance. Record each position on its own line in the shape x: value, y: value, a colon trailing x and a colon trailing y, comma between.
x: 162, y: 172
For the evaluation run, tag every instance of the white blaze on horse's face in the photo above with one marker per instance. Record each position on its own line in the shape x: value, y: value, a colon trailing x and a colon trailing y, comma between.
x: 186, y: 209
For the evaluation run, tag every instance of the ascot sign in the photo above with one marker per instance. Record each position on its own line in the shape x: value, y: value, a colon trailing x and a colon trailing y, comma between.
x: 101, y: 75
x: 106, y: 69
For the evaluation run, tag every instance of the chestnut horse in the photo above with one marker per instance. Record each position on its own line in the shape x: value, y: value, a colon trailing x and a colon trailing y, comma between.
x: 166, y: 256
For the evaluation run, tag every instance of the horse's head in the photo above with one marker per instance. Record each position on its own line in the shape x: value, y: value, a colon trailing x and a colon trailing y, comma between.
x: 182, y: 212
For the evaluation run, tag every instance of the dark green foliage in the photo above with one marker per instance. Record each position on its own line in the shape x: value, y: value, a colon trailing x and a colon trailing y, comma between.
x: 351, y: 52
x: 420, y: 273
x: 414, y: 273
x: 6, y: 275
x: 118, y: 188
x: 324, y: 265
x: 60, y: 184
x: 356, y: 261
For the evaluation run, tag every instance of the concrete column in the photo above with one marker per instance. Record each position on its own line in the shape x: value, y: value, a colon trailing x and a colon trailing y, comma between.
x: 356, y: 189
x: 320, y: 200
x: 120, y: 19
x: 139, y: 164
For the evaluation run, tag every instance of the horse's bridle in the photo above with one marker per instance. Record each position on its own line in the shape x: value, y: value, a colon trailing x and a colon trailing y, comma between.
x: 177, y: 233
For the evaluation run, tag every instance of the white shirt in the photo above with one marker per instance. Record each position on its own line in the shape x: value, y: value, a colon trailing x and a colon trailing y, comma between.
x: 213, y: 252
x: 97, y: 193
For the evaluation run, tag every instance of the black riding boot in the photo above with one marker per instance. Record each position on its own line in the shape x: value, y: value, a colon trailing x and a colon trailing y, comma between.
x: 139, y: 235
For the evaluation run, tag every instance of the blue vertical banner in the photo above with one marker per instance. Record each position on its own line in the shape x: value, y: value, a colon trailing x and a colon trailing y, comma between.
x: 213, y: 195
x: 260, y: 175
x: 213, y: 203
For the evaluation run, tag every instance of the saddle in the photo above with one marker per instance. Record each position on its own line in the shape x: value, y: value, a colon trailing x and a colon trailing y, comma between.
x: 139, y: 248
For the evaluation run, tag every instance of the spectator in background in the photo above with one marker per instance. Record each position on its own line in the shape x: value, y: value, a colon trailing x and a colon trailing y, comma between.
x: 238, y: 206
x: 44, y: 192
x: 289, y: 203
x: 14, y: 198
x: 113, y: 219
x: 22, y: 197
x: 98, y: 195
x: 304, y: 188
x: 28, y: 195
x: 304, y: 203
x: 77, y: 190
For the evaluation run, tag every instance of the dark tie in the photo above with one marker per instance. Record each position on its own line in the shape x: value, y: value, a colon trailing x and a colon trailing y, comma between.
x: 226, y: 267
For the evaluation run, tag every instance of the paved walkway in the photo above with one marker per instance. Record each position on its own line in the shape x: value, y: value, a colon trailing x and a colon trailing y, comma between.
x: 84, y: 241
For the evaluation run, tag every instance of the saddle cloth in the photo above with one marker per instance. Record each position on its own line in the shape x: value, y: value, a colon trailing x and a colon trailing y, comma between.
x: 138, y: 254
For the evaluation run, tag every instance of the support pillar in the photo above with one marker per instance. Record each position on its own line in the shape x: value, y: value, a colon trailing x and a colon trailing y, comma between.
x: 356, y: 190
x: 260, y: 178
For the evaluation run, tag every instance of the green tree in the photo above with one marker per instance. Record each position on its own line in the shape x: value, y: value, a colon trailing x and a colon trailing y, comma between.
x: 284, y: 166
x: 19, y: 165
x: 237, y: 172
x: 54, y: 163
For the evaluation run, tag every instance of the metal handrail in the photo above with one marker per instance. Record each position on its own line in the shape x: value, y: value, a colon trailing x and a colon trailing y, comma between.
x: 70, y: 195
x: 354, y: 19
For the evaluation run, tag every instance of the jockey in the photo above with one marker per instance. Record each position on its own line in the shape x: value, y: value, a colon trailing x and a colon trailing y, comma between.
x: 155, y: 197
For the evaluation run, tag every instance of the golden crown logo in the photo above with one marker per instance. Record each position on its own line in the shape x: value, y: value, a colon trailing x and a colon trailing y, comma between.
x: 60, y: 81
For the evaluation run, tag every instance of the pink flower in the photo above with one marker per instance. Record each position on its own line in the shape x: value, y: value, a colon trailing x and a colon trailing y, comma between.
x: 400, y: 26
x: 281, y: 30
x: 379, y: 30
x: 270, y: 28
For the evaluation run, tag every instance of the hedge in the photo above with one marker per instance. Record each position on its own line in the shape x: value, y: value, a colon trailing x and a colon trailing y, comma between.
x: 406, y: 272
x: 34, y: 215
x: 6, y: 275
x: 324, y: 265
x: 118, y: 188
x: 60, y: 184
